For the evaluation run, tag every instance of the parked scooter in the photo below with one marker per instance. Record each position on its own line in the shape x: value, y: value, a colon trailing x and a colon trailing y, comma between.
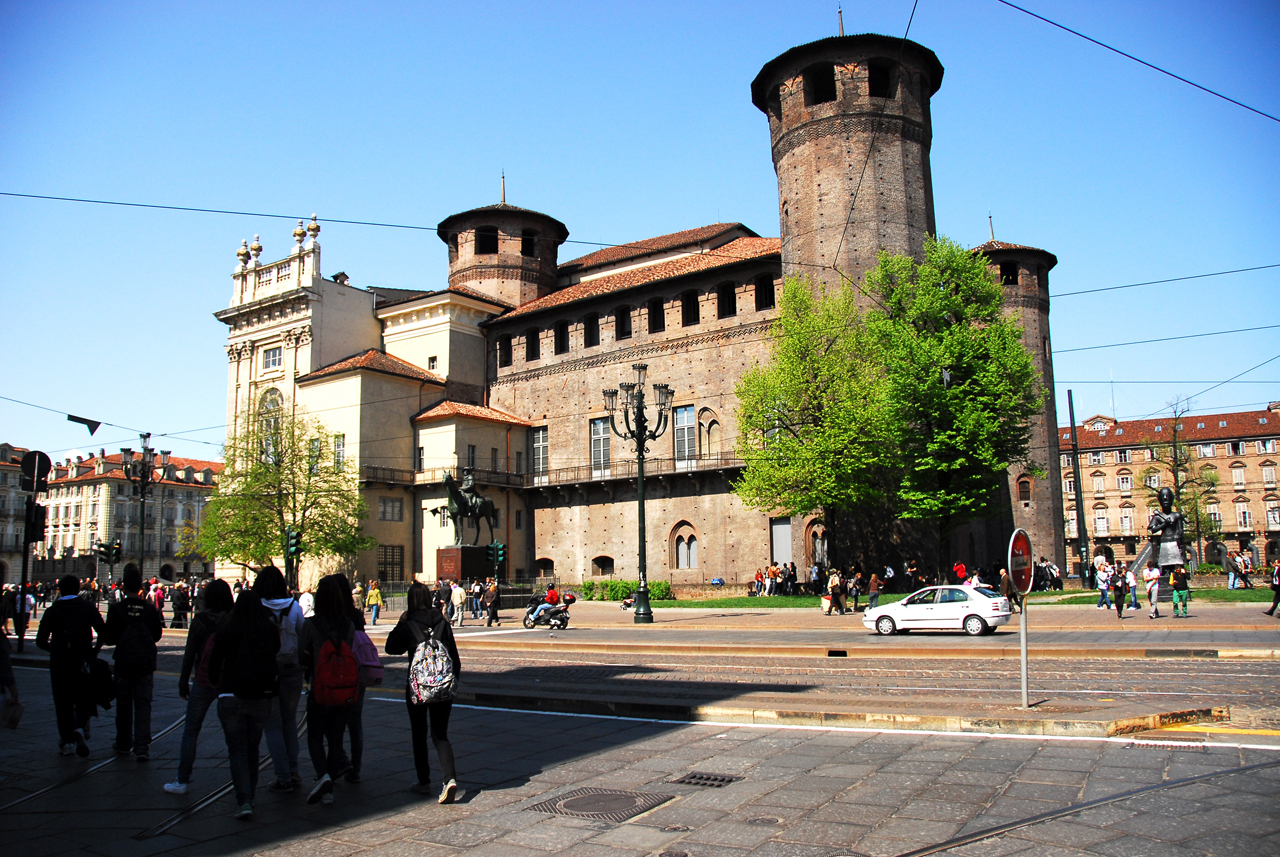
x: 556, y: 617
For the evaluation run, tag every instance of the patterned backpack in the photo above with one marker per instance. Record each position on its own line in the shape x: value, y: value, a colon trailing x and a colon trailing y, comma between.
x: 431, y: 669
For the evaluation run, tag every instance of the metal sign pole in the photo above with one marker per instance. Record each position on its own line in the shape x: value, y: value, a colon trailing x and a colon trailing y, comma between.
x: 1023, y: 645
x: 1022, y: 576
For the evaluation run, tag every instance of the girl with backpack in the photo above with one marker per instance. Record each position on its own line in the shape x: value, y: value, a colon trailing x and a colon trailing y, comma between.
x: 282, y: 727
x: 201, y: 695
x: 242, y: 665
x: 326, y: 652
x: 424, y: 633
x: 355, y: 719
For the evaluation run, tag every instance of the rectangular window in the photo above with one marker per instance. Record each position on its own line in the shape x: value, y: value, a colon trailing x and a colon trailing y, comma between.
x: 391, y: 563
x: 541, y: 450
x: 622, y: 323
x: 504, y: 350
x: 1072, y: 529
x: 689, y: 313
x: 432, y: 364
x: 600, y: 447
x: 390, y: 509
x: 1266, y: 447
x: 444, y: 519
x: 1124, y: 483
x: 1214, y: 514
x: 273, y: 358
x: 532, y: 345
x: 493, y: 459
x: 471, y: 455
x: 420, y: 463
x: 1273, y: 517
x: 1097, y: 457
x: 519, y: 461
x: 726, y: 300
x: 1243, y: 516
x: 1269, y: 477
x: 519, y: 519
x: 339, y: 451
x: 1126, y: 522
x: 1101, y: 524
x: 657, y: 316
x: 1235, y: 447
x: 1153, y: 481
x: 1066, y: 461
x: 590, y: 330
x: 1237, y: 477
x: 1069, y: 486
x: 1099, y: 484
x: 1206, y: 450
x: 562, y: 337
x: 313, y: 456
x: 1124, y: 456
x: 686, y: 436
x: 764, y: 293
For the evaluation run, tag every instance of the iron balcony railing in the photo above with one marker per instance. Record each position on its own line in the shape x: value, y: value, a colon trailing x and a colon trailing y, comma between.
x: 619, y: 469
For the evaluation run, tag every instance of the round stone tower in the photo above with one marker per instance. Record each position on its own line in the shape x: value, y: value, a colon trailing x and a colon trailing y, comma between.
x: 1023, y: 274
x: 502, y: 251
x: 849, y: 118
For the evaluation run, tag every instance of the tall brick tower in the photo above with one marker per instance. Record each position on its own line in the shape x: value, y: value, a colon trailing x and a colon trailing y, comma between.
x: 830, y: 103
x: 502, y: 251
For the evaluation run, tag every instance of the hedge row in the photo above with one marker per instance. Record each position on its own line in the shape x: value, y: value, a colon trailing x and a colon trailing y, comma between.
x: 616, y: 590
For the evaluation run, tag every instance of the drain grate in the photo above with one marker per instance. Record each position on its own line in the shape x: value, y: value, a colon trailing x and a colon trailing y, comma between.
x: 710, y: 781
x: 601, y: 804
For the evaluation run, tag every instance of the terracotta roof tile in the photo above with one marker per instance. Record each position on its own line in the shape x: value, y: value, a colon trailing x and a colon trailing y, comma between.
x: 742, y: 249
x: 444, y: 410
x: 622, y: 252
x: 376, y: 361
x: 115, y: 471
x: 1243, y: 425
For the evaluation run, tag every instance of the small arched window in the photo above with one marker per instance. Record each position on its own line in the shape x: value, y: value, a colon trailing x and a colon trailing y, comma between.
x: 1024, y: 490
x: 532, y: 344
x: 689, y: 308
x: 880, y: 79
x: 486, y: 240
x: 726, y: 300
x: 529, y: 243
x: 622, y: 322
x: 562, y: 337
x: 591, y: 330
x: 764, y: 292
x: 683, y: 543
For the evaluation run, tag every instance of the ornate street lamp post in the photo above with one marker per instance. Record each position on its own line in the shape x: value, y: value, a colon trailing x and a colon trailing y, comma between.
x: 638, y: 431
x: 140, y: 471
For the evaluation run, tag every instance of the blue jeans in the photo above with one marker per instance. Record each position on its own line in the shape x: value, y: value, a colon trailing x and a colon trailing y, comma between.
x: 133, y: 710
x: 198, y: 702
x: 375, y: 609
x: 282, y: 725
x: 242, y: 722
x: 1104, y: 597
x: 544, y: 606
x: 1133, y: 598
x: 872, y: 600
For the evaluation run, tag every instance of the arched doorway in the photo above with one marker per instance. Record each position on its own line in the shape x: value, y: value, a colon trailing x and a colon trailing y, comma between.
x: 167, y: 573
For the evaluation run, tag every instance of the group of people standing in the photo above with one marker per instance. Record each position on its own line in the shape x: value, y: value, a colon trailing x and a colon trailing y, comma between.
x: 1120, y: 583
x: 254, y: 654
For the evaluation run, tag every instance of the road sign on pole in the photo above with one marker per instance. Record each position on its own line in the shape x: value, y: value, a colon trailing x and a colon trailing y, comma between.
x: 1022, y: 573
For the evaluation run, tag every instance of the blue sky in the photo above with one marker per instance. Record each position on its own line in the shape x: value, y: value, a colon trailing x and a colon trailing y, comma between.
x: 623, y: 121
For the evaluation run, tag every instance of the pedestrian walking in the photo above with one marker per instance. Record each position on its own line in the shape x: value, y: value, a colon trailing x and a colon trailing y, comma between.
x: 307, y: 601
x: 835, y: 592
x: 133, y: 627
x: 477, y: 593
x: 1131, y: 582
x: 355, y: 722
x: 1119, y: 589
x: 71, y: 632
x: 374, y: 601
x: 325, y: 649
x: 873, y: 591
x: 1151, y: 577
x: 1181, y: 591
x: 281, y: 728
x: 1232, y: 567
x: 420, y: 633
x: 181, y: 605
x: 157, y: 599
x: 242, y: 666
x: 1102, y: 577
x: 1008, y: 590
x: 490, y: 599
x: 200, y: 694
x: 1275, y: 588
x: 458, y: 597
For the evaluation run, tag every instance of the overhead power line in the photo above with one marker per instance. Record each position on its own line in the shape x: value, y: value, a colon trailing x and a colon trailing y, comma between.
x: 1140, y: 61
x: 1165, y: 339
x: 1169, y: 280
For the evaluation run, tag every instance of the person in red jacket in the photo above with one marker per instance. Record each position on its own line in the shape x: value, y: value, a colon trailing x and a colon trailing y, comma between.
x: 551, y: 600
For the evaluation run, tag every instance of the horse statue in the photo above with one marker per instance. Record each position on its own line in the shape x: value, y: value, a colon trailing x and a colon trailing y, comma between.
x: 467, y: 503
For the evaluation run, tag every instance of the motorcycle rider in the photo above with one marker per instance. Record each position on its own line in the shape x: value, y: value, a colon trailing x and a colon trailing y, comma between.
x: 551, y: 599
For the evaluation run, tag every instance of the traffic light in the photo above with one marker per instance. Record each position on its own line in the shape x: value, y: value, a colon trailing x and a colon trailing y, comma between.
x: 502, y: 555
x: 491, y: 554
x: 102, y: 551
x: 293, y: 542
x: 117, y: 551
x: 35, y: 522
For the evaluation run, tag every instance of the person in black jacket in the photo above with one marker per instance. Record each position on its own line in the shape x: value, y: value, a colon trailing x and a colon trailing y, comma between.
x: 242, y: 666
x: 67, y: 632
x: 409, y: 633
x: 133, y: 627
x: 201, y: 694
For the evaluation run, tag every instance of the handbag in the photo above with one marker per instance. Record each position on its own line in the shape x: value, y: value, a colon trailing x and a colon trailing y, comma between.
x: 11, y: 713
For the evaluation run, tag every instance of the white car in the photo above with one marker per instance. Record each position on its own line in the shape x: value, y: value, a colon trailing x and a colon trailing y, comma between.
x: 976, y: 610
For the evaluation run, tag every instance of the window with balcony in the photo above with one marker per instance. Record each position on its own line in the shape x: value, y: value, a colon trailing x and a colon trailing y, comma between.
x: 493, y: 459
x: 685, y: 431
x: 540, y: 449
x: 600, y: 447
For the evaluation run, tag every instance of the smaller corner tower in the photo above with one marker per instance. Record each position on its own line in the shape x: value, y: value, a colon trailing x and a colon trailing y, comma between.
x: 504, y: 252
x: 850, y: 129
x: 1023, y: 274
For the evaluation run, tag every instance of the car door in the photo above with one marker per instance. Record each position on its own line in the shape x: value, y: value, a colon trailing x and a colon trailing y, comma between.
x: 953, y: 605
x: 917, y: 610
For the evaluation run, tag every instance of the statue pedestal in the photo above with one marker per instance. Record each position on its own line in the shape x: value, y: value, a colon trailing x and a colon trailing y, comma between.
x: 463, y: 563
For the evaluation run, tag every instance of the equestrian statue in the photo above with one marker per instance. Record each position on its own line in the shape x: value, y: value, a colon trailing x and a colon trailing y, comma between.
x: 465, y: 502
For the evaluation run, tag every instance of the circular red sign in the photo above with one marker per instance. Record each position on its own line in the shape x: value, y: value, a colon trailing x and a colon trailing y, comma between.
x: 1021, y: 567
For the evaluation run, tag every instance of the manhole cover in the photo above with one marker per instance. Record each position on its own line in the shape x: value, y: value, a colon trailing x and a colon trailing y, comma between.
x: 603, y: 804
x: 764, y: 821
x: 711, y: 781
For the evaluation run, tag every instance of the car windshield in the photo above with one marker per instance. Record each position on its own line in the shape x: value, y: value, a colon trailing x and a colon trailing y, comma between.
x: 990, y: 593
x: 925, y: 597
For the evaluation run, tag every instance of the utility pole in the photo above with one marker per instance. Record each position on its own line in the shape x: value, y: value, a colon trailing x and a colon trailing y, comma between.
x: 1081, y: 533
x: 35, y: 478
x: 140, y: 471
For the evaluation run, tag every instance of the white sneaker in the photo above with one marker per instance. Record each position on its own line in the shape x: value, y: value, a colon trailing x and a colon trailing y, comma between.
x: 177, y: 788
x: 449, y: 790
x: 326, y: 799
x: 323, y: 787
x: 67, y: 749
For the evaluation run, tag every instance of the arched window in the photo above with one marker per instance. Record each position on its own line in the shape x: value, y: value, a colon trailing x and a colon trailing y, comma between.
x: 562, y: 337
x: 880, y: 83
x: 622, y: 322
x: 683, y: 543
x: 270, y: 407
x: 1024, y: 490
x: 602, y: 565
x: 726, y: 300
x: 819, y: 83
x: 270, y: 401
x: 532, y: 344
x: 689, y: 308
x: 682, y: 552
x: 529, y: 243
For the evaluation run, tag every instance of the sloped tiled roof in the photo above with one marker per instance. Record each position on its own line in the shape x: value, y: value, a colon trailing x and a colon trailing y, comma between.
x: 733, y: 253
x: 622, y: 252
x: 444, y: 410
x: 457, y: 290
x: 114, y: 470
x: 1241, y: 425
x: 374, y: 361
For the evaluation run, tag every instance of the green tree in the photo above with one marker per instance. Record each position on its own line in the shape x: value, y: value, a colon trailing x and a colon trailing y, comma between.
x: 1194, y: 488
x: 280, y: 473
x: 912, y: 409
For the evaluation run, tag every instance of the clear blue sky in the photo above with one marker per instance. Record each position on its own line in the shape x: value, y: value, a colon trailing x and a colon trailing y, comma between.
x: 624, y: 122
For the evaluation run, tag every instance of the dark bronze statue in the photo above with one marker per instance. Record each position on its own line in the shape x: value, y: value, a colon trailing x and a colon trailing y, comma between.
x: 465, y: 502
x: 1166, y: 527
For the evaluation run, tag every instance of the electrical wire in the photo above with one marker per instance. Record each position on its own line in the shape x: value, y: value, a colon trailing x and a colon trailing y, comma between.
x: 1167, y: 339
x: 1140, y: 61
x: 1057, y: 295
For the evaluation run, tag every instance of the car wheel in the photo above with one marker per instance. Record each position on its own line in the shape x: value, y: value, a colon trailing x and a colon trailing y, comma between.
x: 528, y: 621
x: 974, y: 625
x: 885, y: 626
